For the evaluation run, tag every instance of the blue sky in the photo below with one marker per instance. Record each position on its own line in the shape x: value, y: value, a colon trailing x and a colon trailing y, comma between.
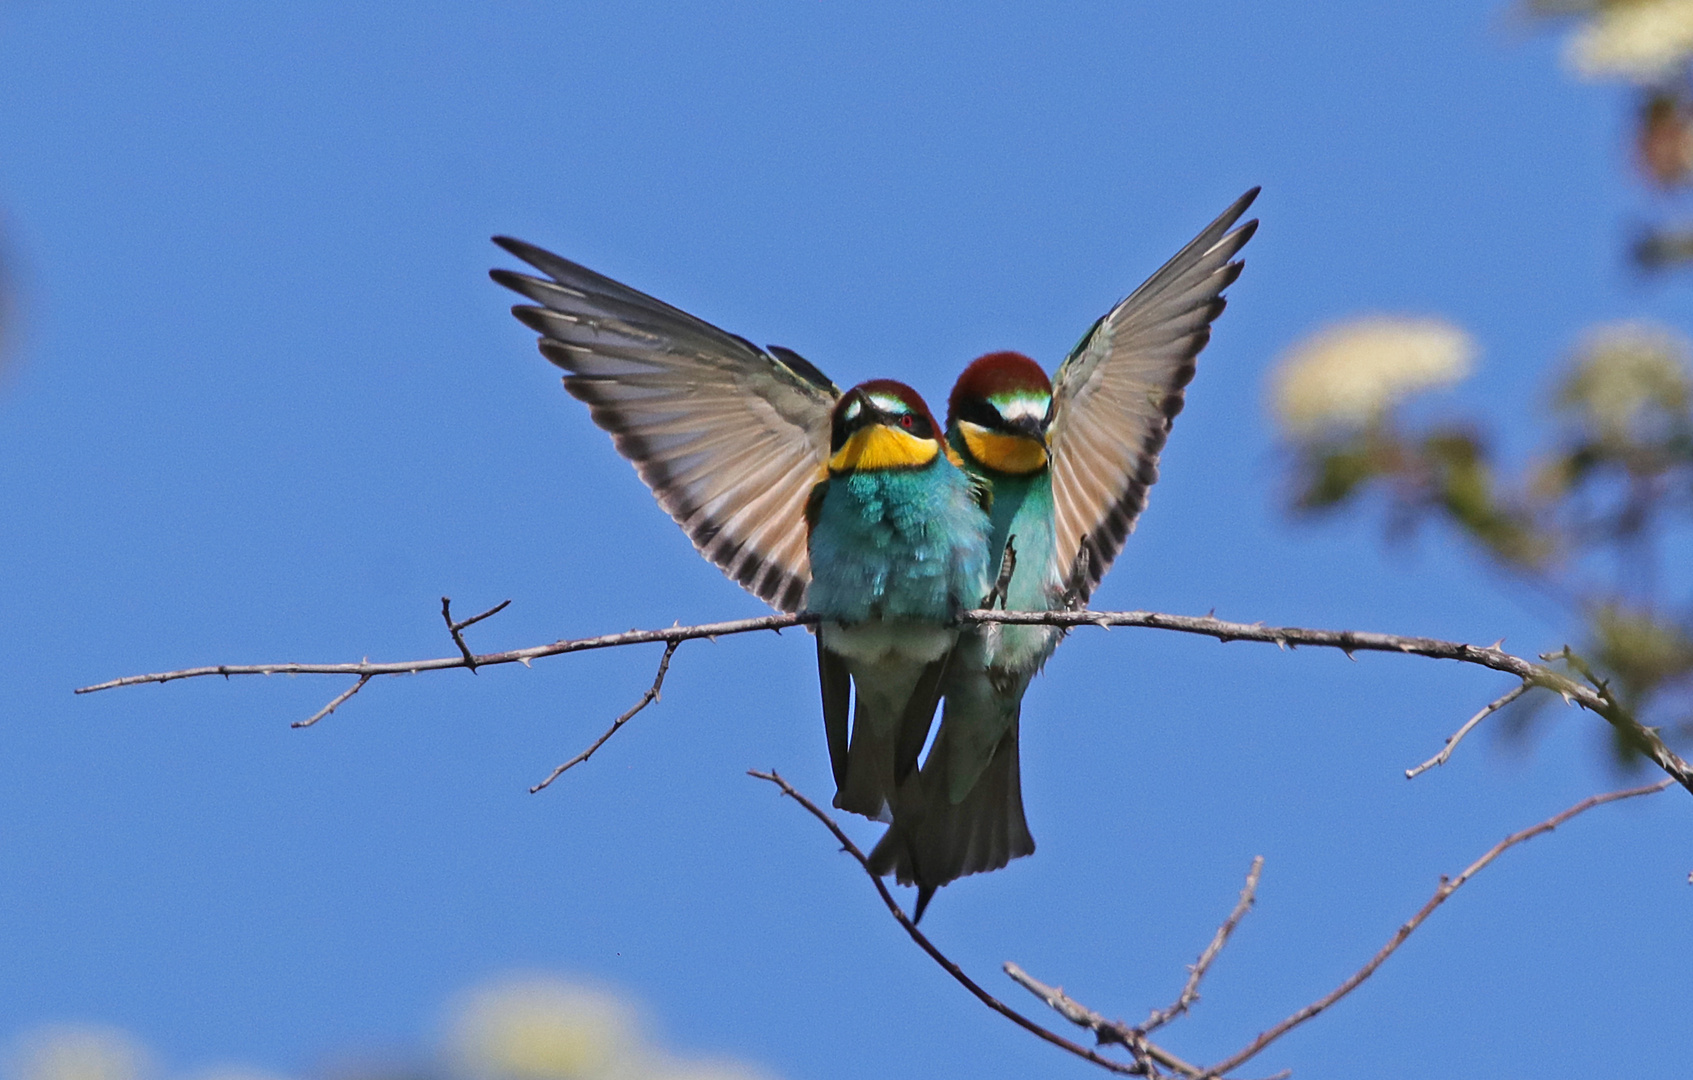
x: 267, y: 406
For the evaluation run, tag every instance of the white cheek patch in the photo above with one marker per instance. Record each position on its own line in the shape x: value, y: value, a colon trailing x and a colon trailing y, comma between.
x: 1023, y: 408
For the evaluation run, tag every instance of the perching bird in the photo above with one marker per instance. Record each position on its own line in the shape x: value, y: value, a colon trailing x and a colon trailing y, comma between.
x: 846, y: 505
x: 899, y: 546
x: 1069, y: 463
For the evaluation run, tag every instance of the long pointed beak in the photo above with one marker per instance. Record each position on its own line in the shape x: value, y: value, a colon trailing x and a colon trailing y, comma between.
x: 1030, y: 428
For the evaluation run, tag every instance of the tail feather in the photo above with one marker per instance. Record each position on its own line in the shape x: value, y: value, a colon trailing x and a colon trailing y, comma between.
x: 934, y: 841
x: 893, y: 711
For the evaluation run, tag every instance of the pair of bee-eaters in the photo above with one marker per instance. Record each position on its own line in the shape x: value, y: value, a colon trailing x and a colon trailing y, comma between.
x: 862, y: 510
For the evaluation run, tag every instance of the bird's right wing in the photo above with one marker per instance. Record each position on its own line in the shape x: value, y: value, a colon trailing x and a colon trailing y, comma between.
x: 730, y: 438
x: 1115, y: 396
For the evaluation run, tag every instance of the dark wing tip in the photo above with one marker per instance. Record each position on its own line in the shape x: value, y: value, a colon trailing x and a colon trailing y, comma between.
x: 802, y: 367
x: 515, y: 246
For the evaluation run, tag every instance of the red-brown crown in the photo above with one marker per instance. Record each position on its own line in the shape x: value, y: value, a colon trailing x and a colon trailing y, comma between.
x: 998, y: 374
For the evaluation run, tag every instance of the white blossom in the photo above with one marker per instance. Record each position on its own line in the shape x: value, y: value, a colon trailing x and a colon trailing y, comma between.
x: 1625, y: 370
x: 1349, y: 374
x: 1643, y: 41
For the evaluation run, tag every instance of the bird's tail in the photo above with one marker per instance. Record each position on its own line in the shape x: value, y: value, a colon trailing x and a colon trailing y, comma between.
x: 891, y: 717
x: 934, y: 840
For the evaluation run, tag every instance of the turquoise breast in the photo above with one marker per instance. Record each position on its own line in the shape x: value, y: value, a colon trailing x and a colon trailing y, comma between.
x: 907, y: 544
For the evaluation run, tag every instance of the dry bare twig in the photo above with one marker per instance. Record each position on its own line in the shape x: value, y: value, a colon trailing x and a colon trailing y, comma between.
x: 1596, y: 698
x: 935, y: 954
x: 1190, y: 991
x: 1457, y: 737
x: 1448, y: 886
x: 1148, y: 1055
x: 339, y: 700
x: 646, y: 699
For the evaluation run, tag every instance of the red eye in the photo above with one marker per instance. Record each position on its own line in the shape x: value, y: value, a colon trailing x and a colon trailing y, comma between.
x: 906, y: 422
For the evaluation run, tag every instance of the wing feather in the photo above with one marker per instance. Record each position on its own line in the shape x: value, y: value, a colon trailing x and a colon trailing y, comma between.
x: 729, y: 437
x: 1116, y: 395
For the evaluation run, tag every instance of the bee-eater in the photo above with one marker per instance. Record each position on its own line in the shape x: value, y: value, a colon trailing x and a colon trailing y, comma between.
x: 899, y: 546
x: 845, y: 505
x: 1069, y: 463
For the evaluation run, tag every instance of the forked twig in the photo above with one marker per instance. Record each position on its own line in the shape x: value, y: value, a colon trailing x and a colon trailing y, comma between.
x: 457, y: 628
x: 1106, y: 1031
x: 1148, y: 1056
x: 1457, y: 737
x: 647, y: 698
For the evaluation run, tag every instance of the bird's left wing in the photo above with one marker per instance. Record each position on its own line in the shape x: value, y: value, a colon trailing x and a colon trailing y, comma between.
x: 1115, y: 396
x: 729, y: 437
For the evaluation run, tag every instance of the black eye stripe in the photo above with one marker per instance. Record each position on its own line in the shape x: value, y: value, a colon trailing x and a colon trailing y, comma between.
x: 980, y: 413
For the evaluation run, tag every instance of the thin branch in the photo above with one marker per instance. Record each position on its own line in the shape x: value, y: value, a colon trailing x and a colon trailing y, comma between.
x: 1448, y: 886
x: 1106, y: 1031
x: 927, y: 946
x: 1454, y: 739
x: 1190, y: 992
x: 511, y: 656
x: 1596, y: 699
x: 456, y: 628
x: 340, y: 699
x: 646, y: 699
x: 1599, y: 700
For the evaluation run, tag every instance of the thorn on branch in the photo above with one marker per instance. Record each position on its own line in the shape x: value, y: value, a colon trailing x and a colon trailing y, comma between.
x: 457, y: 628
x: 651, y: 695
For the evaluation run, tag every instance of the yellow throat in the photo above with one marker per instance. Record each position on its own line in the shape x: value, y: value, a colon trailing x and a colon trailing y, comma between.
x: 882, y: 447
x: 1016, y: 454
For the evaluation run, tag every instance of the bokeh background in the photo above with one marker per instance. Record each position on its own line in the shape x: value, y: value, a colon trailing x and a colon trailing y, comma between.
x: 260, y: 402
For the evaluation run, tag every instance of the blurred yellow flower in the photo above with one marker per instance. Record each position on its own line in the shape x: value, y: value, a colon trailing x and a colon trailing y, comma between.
x: 78, y: 1052
x: 542, y: 1028
x: 1643, y: 41
x: 1623, y: 370
x: 1348, y: 375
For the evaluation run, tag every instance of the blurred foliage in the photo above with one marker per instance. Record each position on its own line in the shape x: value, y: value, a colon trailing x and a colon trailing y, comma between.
x: 1586, y: 523
x: 1590, y: 520
x: 534, y: 1027
x: 1648, y: 45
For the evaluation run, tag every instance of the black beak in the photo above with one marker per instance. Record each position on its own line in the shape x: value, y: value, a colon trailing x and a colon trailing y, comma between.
x: 1029, y: 427
x: 867, y: 415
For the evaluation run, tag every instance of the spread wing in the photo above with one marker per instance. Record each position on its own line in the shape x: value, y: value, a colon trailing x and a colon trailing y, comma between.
x: 729, y: 437
x: 1116, y: 395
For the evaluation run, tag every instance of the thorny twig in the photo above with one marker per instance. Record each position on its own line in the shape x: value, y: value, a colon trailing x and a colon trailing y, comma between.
x: 646, y: 699
x: 1115, y: 1031
x: 1597, y: 699
x: 1190, y: 992
x: 1457, y: 737
x: 1448, y: 886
